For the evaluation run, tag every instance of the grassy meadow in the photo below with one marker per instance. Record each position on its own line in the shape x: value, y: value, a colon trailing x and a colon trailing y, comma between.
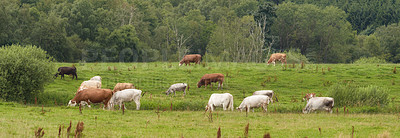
x: 187, y: 118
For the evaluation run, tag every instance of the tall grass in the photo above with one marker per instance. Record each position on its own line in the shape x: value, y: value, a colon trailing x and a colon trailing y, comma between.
x: 351, y: 95
x: 370, y: 60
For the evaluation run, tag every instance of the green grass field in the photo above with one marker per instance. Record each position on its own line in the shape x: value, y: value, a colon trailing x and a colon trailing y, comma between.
x: 283, y: 119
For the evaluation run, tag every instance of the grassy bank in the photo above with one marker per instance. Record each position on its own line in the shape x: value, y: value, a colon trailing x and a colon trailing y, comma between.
x: 241, y: 80
x: 21, y: 121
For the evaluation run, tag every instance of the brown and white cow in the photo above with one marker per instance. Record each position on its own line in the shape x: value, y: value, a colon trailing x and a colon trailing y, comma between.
x: 209, y: 78
x: 308, y: 96
x: 92, y: 95
x: 123, y: 86
x: 277, y: 56
x: 190, y: 58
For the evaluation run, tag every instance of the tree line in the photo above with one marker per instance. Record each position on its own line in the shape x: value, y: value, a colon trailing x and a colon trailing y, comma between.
x: 324, y: 31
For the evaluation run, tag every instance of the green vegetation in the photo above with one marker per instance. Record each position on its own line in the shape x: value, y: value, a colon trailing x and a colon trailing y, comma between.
x: 21, y: 121
x: 241, y: 80
x: 324, y: 31
x: 349, y: 95
x: 24, y: 71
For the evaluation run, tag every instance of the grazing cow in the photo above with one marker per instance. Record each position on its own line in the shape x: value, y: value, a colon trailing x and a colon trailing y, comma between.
x: 123, y: 86
x: 190, y: 58
x: 269, y: 93
x: 308, y: 96
x: 92, y: 95
x: 319, y: 103
x: 254, y: 101
x: 126, y: 95
x: 68, y: 71
x: 177, y: 87
x: 220, y: 99
x: 277, y: 56
x: 89, y: 84
x: 96, y: 78
x: 209, y: 78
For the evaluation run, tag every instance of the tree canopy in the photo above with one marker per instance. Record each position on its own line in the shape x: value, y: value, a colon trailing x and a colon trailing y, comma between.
x: 324, y: 31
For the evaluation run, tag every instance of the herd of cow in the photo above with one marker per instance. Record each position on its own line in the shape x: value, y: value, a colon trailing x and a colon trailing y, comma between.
x: 90, y: 91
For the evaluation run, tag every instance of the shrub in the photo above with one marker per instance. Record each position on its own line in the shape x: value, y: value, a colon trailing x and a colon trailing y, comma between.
x: 294, y: 56
x: 349, y: 95
x: 24, y: 70
x: 370, y: 60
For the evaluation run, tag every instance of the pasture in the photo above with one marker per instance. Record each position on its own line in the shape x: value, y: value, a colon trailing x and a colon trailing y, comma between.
x: 187, y: 118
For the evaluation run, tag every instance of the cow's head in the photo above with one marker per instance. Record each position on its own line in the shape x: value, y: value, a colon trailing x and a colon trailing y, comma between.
x: 200, y: 83
x: 308, y: 96
x: 167, y: 92
x: 180, y: 63
x: 56, y: 75
x: 71, y: 103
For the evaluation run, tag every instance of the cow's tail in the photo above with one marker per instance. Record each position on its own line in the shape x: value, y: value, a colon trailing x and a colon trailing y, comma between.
x: 231, y: 102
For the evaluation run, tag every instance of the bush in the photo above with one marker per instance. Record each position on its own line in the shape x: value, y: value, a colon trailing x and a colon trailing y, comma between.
x: 349, y: 95
x: 24, y: 70
x: 294, y: 56
x: 370, y: 60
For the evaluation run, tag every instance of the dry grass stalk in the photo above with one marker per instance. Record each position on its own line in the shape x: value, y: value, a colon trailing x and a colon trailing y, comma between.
x: 352, y: 132
x: 294, y: 65
x: 39, y: 133
x: 170, y: 108
x: 323, y: 72
x: 393, y: 82
x: 329, y: 69
x: 35, y: 101
x: 302, y: 65
x: 115, y: 68
x: 320, y: 132
x: 79, y: 129
x: 275, y: 78
x: 267, y: 135
x: 394, y: 70
x: 69, y: 129
x: 59, y: 131
x: 246, y: 131
x: 148, y: 121
x: 123, y: 109
x: 129, y: 69
x: 109, y: 68
x: 219, y: 132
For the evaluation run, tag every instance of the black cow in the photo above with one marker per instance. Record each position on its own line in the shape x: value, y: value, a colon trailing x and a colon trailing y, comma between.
x: 68, y: 71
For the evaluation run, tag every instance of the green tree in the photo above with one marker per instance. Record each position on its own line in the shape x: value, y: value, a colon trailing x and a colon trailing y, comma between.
x: 24, y: 72
x: 389, y: 39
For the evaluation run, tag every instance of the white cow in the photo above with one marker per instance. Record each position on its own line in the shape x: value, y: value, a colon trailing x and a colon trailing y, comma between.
x: 96, y: 78
x: 254, y: 101
x: 89, y: 84
x: 220, y: 99
x: 126, y: 95
x: 177, y: 87
x: 319, y: 103
x: 269, y: 93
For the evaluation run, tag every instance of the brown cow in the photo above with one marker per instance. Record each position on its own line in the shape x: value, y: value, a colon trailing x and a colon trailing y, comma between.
x: 92, y: 95
x: 208, y: 78
x: 123, y: 86
x: 190, y: 58
x: 277, y: 56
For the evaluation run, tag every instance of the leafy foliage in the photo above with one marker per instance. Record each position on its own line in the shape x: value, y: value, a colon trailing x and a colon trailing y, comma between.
x: 24, y: 72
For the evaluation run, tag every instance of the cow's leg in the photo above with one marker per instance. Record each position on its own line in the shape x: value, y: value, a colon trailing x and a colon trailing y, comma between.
x: 224, y: 106
x: 62, y: 76
x: 273, y: 62
x: 265, y: 106
x: 137, y: 101
x: 212, y: 107
x: 174, y: 92
x: 184, y: 92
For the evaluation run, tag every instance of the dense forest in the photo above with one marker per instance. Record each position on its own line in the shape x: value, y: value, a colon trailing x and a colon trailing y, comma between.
x: 324, y: 31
